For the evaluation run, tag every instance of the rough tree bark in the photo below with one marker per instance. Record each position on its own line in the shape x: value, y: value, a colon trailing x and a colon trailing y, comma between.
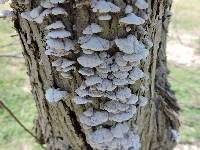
x: 58, y: 124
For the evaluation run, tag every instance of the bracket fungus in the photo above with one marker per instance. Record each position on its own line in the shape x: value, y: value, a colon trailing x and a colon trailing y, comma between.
x: 89, y: 61
x: 132, y: 19
x: 86, y: 71
x: 141, y: 4
x: 54, y: 95
x: 96, y: 43
x: 129, y: 45
x: 56, y: 25
x: 79, y: 100
x: 123, y: 116
x: 93, y: 28
x: 96, y: 118
x: 103, y: 6
x: 105, y: 17
x: 58, y: 34
x: 128, y: 9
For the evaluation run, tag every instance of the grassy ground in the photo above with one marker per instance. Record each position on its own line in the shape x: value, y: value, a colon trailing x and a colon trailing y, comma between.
x: 15, y: 90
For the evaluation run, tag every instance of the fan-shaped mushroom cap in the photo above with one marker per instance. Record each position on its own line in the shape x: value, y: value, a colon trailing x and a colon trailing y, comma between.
x: 56, y: 25
x: 90, y: 61
x: 97, y: 118
x: 132, y: 19
x: 96, y: 43
x: 141, y: 4
x: 93, y: 28
x: 54, y: 95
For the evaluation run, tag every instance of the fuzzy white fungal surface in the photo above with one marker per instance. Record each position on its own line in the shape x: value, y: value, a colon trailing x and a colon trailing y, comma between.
x: 141, y: 4
x: 54, y: 95
x: 79, y: 100
x: 96, y: 118
x: 56, y: 25
x: 90, y: 61
x: 103, y: 6
x: 128, y: 9
x: 58, y: 34
x: 96, y: 43
x: 93, y: 28
x: 132, y: 19
x: 175, y: 135
x: 46, y: 4
x: 105, y: 17
x: 129, y: 45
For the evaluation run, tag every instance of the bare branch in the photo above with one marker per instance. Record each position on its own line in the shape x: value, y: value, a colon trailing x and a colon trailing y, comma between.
x: 18, y: 121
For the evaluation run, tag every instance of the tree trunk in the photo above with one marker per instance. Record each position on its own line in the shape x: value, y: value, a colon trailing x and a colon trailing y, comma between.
x: 59, y: 124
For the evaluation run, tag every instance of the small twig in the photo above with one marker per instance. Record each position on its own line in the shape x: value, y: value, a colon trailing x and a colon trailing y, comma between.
x: 15, y: 55
x: 18, y: 121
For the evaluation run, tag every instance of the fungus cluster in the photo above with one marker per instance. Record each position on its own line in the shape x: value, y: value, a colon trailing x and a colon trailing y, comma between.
x: 107, y: 77
x: 45, y: 8
x: 104, y: 9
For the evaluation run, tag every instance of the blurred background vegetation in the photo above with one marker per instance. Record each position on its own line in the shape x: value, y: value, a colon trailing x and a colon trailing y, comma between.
x: 184, y: 64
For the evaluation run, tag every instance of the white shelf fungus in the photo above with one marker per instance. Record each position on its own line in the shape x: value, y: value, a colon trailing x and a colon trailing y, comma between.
x: 59, y: 11
x: 132, y: 19
x: 175, y: 135
x: 54, y: 95
x: 82, y: 92
x: 106, y: 85
x: 34, y: 13
x: 121, y: 74
x: 105, y: 17
x: 90, y: 61
x: 46, y: 4
x: 123, y: 93
x: 66, y: 75
x: 93, y: 28
x: 86, y: 71
x: 96, y: 43
x: 141, y: 4
x: 143, y: 101
x: 115, y: 107
x: 128, y: 9
x: 136, y: 57
x: 119, y: 59
x: 56, y: 25
x: 136, y: 74
x: 69, y: 45
x: 58, y: 34
x: 123, y: 116
x: 101, y: 135
x: 79, y: 100
x: 119, y: 130
x: 97, y: 118
x: 103, y: 6
x: 129, y: 45
x: 55, y: 44
x: 57, y: 1
x: 133, y: 99
x: 92, y: 80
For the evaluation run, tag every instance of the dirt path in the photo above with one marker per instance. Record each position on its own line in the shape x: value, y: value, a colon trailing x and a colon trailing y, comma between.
x: 182, y: 49
x: 187, y: 147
